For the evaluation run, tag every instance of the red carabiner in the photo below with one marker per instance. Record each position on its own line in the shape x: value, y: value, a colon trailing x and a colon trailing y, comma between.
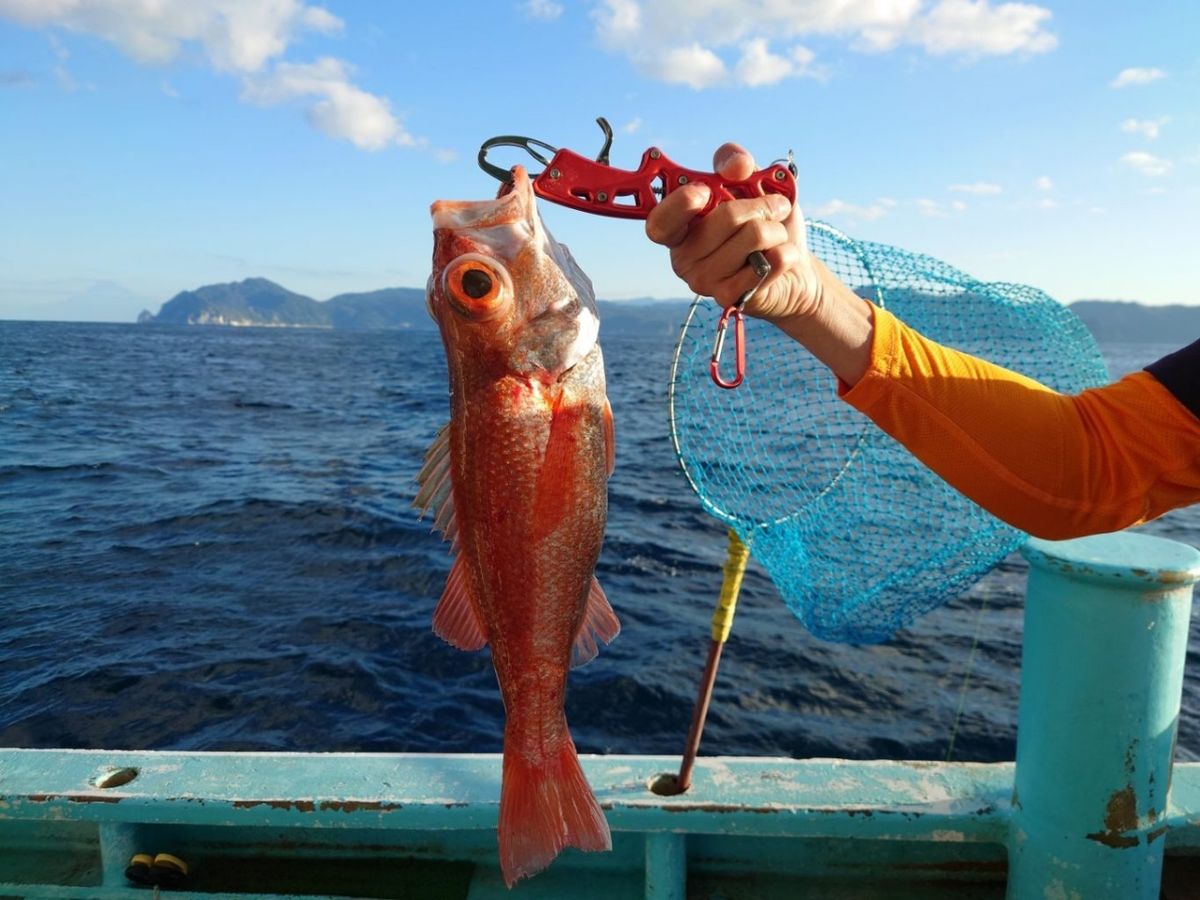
x: 739, y: 347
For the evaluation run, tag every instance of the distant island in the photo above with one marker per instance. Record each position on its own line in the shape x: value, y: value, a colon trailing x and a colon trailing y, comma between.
x: 260, y: 302
x: 1121, y: 320
x: 263, y: 303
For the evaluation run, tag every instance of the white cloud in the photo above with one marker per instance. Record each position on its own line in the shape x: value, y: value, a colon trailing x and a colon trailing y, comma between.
x: 1048, y: 203
x: 62, y: 74
x: 632, y: 125
x: 978, y: 188
x: 340, y: 110
x: 1148, y: 127
x: 976, y: 28
x: 695, y: 66
x: 617, y: 21
x: 544, y: 10
x: 840, y: 209
x: 169, y: 90
x: 936, y: 210
x: 1127, y: 77
x: 236, y: 35
x: 243, y: 37
x: 759, y: 66
x: 802, y: 64
x: 65, y: 81
x: 1147, y: 163
x: 1044, y: 183
x: 60, y: 49
x: 751, y: 36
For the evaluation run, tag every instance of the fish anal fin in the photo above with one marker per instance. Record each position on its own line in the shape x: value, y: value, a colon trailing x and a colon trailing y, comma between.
x: 599, y: 625
x: 455, y: 620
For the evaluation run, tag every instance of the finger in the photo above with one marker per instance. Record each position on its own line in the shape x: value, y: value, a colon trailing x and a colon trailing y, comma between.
x: 731, y: 256
x: 706, y: 275
x: 733, y: 162
x: 774, y: 294
x: 669, y: 221
x: 731, y: 289
x: 729, y: 217
x: 783, y: 258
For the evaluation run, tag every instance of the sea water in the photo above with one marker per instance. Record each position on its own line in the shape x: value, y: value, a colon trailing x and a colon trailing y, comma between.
x: 206, y: 542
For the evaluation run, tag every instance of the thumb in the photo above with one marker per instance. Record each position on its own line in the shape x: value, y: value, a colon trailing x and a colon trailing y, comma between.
x: 733, y: 162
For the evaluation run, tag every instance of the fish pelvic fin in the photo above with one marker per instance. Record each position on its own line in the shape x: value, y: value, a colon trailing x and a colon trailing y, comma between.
x: 455, y: 620
x: 599, y: 625
x: 545, y: 807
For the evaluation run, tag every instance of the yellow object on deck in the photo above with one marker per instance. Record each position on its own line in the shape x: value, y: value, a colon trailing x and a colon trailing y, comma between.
x: 735, y: 567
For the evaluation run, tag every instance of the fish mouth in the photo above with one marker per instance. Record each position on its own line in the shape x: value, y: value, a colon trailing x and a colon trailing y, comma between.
x: 514, y: 203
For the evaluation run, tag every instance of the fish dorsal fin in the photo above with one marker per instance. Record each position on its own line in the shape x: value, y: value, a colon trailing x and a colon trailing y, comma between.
x: 436, y: 492
x: 455, y: 620
x: 599, y: 623
x: 610, y: 438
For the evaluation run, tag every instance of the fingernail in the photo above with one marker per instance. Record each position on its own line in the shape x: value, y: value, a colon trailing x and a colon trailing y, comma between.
x: 724, y: 156
x: 780, y: 206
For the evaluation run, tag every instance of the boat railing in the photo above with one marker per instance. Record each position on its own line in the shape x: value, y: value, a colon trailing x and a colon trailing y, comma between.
x: 1094, y: 806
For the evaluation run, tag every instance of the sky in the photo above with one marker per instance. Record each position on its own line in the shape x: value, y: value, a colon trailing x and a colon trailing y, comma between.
x: 152, y: 147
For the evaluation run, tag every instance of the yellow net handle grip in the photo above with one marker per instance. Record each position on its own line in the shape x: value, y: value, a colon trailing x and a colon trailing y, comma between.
x: 735, y: 567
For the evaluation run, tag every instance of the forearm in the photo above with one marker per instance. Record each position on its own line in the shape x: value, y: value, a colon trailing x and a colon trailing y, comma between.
x: 838, y: 331
x: 1051, y: 464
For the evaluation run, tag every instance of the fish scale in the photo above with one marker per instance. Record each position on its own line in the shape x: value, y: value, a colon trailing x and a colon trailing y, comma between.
x: 526, y: 455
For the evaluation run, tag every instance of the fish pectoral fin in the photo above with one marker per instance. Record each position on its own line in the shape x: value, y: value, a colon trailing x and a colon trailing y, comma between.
x: 599, y: 624
x: 436, y: 493
x: 455, y: 620
x: 610, y: 437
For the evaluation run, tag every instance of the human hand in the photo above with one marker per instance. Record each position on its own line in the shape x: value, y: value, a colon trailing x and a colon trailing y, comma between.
x: 709, y: 253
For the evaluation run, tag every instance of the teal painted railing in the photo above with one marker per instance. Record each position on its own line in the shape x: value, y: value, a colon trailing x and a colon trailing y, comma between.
x: 1086, y: 812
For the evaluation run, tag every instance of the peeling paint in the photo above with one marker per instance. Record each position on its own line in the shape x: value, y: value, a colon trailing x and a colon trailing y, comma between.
x: 1120, y: 817
x: 298, y: 805
x: 349, y: 806
x: 73, y: 798
x: 722, y: 808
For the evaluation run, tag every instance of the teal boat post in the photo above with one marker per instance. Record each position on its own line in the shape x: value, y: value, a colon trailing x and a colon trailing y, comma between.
x: 1106, y: 632
x: 1087, y: 812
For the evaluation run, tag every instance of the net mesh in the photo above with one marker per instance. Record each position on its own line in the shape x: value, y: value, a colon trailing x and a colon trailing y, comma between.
x: 858, y: 536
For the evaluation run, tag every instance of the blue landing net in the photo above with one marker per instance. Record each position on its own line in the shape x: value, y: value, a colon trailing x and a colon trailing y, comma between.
x: 858, y: 536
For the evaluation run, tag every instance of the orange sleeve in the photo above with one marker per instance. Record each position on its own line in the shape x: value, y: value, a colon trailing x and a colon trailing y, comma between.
x: 1051, y: 464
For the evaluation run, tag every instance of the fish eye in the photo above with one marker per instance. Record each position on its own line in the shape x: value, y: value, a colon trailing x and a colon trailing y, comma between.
x: 476, y: 283
x: 474, y: 286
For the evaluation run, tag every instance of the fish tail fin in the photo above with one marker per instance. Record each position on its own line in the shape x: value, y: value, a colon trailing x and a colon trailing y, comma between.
x: 544, y: 808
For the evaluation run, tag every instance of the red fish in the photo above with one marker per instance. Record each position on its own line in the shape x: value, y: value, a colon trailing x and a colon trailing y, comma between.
x: 517, y: 482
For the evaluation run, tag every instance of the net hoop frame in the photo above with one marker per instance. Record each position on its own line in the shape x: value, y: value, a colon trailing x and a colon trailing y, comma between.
x: 731, y: 518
